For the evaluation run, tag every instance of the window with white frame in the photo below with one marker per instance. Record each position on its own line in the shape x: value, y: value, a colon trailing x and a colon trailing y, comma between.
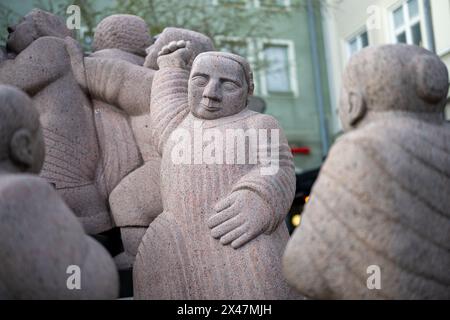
x: 277, y: 71
x: 408, y: 23
x: 357, y: 43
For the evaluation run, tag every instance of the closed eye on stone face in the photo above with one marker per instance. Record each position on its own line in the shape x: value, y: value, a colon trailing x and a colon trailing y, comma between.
x: 200, y: 80
x: 230, y: 85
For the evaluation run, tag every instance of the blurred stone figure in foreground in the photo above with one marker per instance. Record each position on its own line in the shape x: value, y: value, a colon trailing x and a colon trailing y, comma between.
x: 133, y: 193
x: 221, y: 235
x: 40, y: 238
x: 42, y: 68
x: 381, y: 202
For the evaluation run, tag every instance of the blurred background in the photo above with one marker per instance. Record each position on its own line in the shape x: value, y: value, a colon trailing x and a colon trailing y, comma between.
x: 298, y: 49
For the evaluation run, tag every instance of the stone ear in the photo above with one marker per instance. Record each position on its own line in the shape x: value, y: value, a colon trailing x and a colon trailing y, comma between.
x: 356, y: 107
x: 431, y: 78
x: 21, y: 150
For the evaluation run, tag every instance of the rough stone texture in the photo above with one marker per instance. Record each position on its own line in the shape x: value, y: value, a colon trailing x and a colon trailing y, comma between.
x: 39, y: 235
x: 190, y: 251
x: 3, y: 54
x: 42, y: 69
x: 125, y: 32
x: 257, y: 104
x: 199, y: 43
x: 382, y: 195
x: 124, y: 38
x: 116, y: 79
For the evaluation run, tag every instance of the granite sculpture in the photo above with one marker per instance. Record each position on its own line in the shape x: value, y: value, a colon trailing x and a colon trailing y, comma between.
x: 124, y: 37
x: 42, y: 68
x: 124, y: 83
x: 377, y: 225
x: 40, y: 238
x: 221, y: 234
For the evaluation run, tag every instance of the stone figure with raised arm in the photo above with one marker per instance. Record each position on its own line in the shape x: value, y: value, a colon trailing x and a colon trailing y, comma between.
x: 42, y: 244
x: 114, y: 78
x: 42, y: 68
x: 378, y: 222
x: 221, y: 234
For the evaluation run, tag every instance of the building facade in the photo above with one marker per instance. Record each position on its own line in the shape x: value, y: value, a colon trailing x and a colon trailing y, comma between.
x: 293, y: 81
x: 350, y: 25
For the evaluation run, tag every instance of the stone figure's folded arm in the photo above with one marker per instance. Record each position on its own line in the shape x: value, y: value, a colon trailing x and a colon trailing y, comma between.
x: 41, y: 63
x: 169, y: 104
x: 273, y: 179
x: 119, y: 83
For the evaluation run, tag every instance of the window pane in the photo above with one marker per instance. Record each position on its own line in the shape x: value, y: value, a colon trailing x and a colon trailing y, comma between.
x: 401, y: 38
x: 413, y: 7
x: 353, y: 46
x: 364, y: 40
x: 416, y: 34
x: 277, y: 72
x: 399, y: 19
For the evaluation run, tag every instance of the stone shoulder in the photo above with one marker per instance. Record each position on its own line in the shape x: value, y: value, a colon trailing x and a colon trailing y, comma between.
x: 118, y: 54
x: 20, y: 189
x: 13, y: 181
x: 262, y: 121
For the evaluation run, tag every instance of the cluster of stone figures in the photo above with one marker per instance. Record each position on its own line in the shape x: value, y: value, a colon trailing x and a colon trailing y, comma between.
x: 97, y: 130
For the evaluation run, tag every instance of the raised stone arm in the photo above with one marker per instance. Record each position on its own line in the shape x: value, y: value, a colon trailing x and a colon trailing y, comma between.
x: 170, y: 91
x: 260, y: 200
x: 116, y: 82
x: 31, y: 70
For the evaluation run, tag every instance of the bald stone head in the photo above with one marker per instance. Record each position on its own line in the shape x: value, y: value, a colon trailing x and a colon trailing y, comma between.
x: 219, y: 85
x: 21, y: 142
x: 34, y: 25
x: 198, y: 43
x: 392, y: 78
x: 126, y: 32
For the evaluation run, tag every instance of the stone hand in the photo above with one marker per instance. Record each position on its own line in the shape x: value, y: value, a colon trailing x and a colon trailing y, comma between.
x: 175, y: 54
x: 77, y: 61
x: 240, y: 217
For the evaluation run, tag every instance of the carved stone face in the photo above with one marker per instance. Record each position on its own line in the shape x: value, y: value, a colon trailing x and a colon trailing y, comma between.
x: 217, y: 87
x: 21, y: 35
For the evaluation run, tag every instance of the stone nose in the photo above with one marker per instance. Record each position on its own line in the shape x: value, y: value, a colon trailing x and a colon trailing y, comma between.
x: 212, y: 91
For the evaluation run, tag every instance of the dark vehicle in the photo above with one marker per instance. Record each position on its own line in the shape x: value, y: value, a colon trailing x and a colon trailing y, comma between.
x: 305, y: 181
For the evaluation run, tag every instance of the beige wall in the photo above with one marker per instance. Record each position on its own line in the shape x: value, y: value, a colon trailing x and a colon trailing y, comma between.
x: 343, y: 19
